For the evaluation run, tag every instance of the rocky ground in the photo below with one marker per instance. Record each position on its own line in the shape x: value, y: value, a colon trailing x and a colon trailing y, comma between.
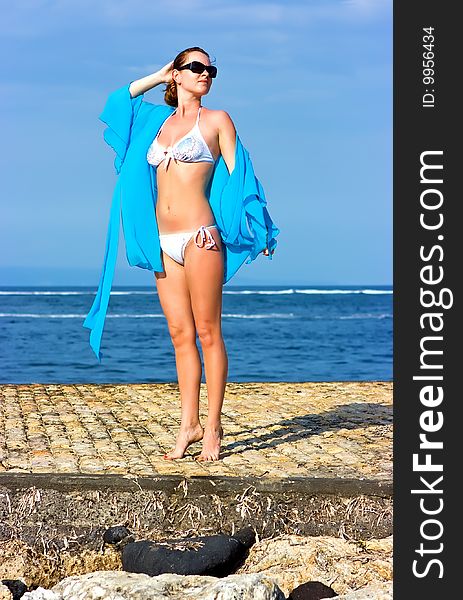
x: 289, y: 560
x: 307, y: 465
x: 47, y: 535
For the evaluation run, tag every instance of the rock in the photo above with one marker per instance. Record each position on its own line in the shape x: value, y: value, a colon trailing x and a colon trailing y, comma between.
x: 291, y: 560
x: 16, y: 587
x: 14, y: 558
x: 119, y: 585
x: 114, y: 535
x: 312, y: 590
x: 214, y: 555
x: 35, y: 569
x: 5, y: 593
x: 246, y: 535
x: 378, y: 591
x: 288, y: 560
x: 41, y: 594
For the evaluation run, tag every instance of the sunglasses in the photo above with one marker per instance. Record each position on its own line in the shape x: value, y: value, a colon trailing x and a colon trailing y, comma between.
x: 198, y: 68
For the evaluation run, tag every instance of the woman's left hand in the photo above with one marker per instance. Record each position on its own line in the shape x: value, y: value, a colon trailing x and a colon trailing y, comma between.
x: 265, y: 251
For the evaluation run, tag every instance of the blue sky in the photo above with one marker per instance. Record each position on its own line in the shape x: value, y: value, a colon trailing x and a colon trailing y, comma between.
x: 308, y: 85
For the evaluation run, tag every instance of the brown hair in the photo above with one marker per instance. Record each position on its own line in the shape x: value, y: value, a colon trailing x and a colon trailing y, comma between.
x: 170, y: 92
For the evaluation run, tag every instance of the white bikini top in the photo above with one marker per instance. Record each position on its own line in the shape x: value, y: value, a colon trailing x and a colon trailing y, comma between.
x: 190, y: 148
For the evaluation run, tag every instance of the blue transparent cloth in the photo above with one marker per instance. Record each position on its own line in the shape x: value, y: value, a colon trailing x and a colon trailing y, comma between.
x: 237, y: 201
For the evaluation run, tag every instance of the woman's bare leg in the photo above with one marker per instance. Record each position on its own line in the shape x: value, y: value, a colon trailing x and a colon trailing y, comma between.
x: 175, y: 302
x: 204, y: 275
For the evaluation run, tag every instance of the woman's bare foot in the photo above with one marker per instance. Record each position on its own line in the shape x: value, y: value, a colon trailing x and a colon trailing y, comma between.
x: 186, y: 436
x: 211, y: 443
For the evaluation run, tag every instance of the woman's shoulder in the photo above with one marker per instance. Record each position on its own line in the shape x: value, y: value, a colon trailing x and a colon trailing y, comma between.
x: 221, y: 121
x: 217, y: 115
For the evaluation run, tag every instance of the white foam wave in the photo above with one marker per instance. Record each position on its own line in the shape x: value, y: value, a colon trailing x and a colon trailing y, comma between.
x: 88, y: 293
x: 260, y: 316
x: 224, y: 315
x: 365, y: 316
x: 135, y: 316
x: 225, y: 291
x: 42, y: 316
x: 76, y: 316
x: 308, y: 291
x: 143, y: 316
x: 312, y: 291
x: 264, y: 292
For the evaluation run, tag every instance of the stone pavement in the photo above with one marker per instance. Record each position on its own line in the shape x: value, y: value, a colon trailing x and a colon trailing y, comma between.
x: 272, y: 430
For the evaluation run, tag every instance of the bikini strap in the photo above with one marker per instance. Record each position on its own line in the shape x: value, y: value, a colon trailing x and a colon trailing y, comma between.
x: 197, y: 118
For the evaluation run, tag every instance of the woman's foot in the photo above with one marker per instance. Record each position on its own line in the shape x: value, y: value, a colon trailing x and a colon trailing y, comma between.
x: 186, y: 436
x: 211, y: 443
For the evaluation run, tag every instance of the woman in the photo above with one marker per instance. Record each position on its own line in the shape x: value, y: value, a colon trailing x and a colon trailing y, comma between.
x: 210, y: 216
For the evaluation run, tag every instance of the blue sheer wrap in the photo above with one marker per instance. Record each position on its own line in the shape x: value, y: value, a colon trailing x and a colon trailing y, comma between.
x: 237, y: 201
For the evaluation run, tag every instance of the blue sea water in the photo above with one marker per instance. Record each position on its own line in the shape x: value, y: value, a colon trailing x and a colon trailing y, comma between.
x: 272, y: 333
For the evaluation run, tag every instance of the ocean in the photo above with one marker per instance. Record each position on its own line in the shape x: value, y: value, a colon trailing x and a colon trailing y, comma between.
x: 272, y: 333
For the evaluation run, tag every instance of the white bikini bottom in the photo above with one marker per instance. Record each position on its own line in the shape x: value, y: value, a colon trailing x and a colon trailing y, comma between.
x: 174, y: 244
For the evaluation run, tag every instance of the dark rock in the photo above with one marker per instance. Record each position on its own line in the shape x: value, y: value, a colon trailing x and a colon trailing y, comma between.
x: 312, y: 590
x: 247, y: 536
x: 216, y: 555
x: 115, y: 534
x: 16, y: 587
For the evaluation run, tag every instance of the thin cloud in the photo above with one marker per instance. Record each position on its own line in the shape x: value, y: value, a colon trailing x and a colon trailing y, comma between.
x: 245, y: 14
x: 368, y: 6
x: 34, y: 18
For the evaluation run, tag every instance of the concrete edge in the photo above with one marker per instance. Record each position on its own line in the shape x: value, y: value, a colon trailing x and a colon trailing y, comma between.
x: 199, y: 484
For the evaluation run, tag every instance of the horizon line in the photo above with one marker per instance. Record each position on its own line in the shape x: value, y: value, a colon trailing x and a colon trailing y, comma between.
x: 318, y: 285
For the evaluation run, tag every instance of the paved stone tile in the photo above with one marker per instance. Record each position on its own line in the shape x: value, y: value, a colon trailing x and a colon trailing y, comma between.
x: 332, y: 429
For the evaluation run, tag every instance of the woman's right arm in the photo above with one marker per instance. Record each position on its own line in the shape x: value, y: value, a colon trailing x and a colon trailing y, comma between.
x: 121, y: 110
x: 140, y: 86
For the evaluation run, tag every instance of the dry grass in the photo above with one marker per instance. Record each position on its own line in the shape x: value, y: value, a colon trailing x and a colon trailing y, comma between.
x: 43, y: 550
x: 47, y: 567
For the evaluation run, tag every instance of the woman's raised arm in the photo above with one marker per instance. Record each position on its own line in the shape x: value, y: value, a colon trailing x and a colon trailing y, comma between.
x: 140, y: 86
